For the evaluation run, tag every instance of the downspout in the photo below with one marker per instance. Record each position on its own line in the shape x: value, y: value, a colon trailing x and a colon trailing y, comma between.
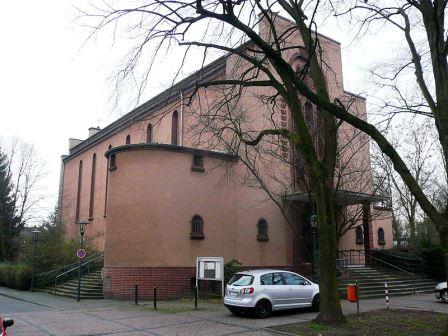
x: 181, y: 135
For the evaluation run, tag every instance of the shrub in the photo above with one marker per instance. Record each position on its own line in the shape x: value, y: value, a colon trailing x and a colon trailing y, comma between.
x: 230, y: 268
x: 434, y: 263
x: 16, y: 276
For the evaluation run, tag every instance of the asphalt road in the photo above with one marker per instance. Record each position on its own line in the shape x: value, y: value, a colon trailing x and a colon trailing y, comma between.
x: 10, y: 305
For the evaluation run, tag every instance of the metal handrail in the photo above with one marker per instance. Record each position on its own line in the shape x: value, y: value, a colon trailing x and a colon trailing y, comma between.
x: 86, y: 264
x: 368, y: 256
x: 414, y: 265
x: 386, y: 263
x: 397, y: 256
x: 47, y: 278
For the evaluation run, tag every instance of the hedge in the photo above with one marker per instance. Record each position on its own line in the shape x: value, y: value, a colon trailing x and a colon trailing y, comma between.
x: 434, y: 263
x: 16, y: 276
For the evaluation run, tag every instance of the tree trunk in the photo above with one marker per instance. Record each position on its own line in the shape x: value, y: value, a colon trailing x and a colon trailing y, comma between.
x: 444, y: 243
x: 330, y: 307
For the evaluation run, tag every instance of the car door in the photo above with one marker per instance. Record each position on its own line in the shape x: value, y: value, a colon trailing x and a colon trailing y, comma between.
x: 272, y: 285
x: 298, y: 289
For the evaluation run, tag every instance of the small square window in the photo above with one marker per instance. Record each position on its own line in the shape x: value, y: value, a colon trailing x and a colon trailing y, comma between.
x: 198, y: 163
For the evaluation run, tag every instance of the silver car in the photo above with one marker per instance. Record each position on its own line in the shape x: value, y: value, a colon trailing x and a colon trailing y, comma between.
x: 262, y: 291
x: 441, y: 291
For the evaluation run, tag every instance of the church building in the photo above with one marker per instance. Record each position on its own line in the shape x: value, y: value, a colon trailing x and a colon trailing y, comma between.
x: 160, y: 189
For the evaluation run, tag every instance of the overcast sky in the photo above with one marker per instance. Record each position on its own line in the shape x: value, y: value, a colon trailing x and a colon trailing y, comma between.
x: 52, y: 88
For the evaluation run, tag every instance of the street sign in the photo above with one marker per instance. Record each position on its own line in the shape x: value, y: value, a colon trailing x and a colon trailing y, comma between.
x: 81, y: 253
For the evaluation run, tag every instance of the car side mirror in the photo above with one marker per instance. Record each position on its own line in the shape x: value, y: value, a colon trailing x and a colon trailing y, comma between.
x: 7, y: 323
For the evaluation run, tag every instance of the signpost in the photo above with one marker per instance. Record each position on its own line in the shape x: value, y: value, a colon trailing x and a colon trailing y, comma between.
x: 210, y: 268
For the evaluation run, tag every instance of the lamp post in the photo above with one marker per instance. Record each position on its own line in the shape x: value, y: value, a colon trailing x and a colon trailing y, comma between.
x: 35, y: 233
x: 82, y: 229
x: 314, y: 240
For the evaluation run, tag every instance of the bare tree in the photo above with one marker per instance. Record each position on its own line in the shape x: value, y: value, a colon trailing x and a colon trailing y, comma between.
x: 227, y: 24
x: 422, y: 25
x: 232, y: 27
x: 27, y: 171
x: 418, y: 148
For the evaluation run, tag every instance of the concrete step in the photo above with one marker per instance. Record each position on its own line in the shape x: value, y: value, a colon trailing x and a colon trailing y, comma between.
x: 389, y: 283
x: 401, y: 285
x: 73, y: 295
x: 392, y: 294
x: 91, y: 287
x: 371, y: 283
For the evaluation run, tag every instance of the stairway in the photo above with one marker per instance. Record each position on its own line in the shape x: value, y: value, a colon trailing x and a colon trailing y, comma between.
x: 91, y: 287
x: 371, y: 283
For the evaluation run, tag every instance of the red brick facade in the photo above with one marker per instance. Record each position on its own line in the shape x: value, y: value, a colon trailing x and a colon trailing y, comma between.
x: 171, y: 282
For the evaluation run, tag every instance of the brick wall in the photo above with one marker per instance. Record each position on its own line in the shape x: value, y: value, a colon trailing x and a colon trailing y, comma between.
x: 171, y: 282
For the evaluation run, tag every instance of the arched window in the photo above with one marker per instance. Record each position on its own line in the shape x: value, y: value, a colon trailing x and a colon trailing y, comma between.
x: 174, y: 128
x: 262, y: 228
x: 197, y: 227
x: 128, y: 139
x: 359, y: 235
x: 309, y: 115
x: 92, y: 186
x: 149, y: 133
x: 78, y: 195
x: 381, y: 238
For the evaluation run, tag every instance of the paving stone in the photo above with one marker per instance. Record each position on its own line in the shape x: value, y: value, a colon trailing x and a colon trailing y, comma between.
x: 153, y: 320
x: 199, y: 328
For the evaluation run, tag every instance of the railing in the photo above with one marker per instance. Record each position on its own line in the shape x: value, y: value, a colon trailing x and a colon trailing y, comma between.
x: 358, y: 257
x: 413, y: 265
x: 90, y: 264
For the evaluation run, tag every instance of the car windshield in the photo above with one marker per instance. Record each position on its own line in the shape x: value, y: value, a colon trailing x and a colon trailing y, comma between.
x: 241, y: 280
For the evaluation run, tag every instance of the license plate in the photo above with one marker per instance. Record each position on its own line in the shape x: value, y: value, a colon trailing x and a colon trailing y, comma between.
x: 233, y: 293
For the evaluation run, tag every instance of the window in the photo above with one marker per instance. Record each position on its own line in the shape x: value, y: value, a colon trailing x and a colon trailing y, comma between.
x: 198, y: 163
x: 174, y: 128
x: 92, y: 186
x: 309, y: 114
x: 271, y: 279
x: 381, y: 239
x: 128, y: 139
x: 359, y: 235
x: 293, y: 279
x: 112, y: 162
x: 78, y: 195
x: 149, y: 133
x: 241, y: 280
x: 262, y: 227
x: 197, y: 228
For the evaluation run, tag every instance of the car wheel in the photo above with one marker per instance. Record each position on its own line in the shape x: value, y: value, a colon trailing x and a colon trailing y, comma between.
x: 316, y: 302
x: 444, y: 295
x: 263, y: 309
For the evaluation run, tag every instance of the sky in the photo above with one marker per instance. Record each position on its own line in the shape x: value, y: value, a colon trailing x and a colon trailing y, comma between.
x: 54, y: 86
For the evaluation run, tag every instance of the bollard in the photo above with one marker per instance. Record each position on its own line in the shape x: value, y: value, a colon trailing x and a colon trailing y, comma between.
x: 357, y: 298
x: 195, y: 297
x: 155, y: 298
x: 386, y: 293
x: 136, y: 294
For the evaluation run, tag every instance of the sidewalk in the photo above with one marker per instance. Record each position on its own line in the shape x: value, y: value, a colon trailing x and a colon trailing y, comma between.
x: 58, y: 316
x: 419, y: 302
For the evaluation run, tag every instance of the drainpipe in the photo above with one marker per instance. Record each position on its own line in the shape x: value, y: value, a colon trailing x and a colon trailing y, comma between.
x: 181, y: 135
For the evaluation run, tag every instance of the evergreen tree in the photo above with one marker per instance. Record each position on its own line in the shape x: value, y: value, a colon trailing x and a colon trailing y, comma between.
x: 9, y: 224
